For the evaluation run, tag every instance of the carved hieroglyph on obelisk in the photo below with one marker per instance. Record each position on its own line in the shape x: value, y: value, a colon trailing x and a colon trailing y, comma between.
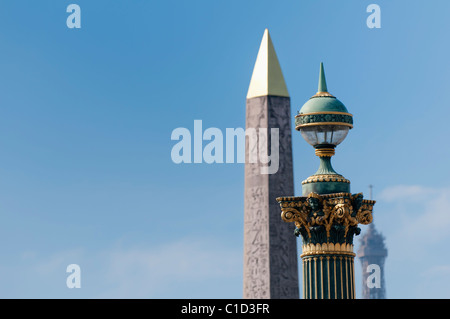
x: 270, y: 249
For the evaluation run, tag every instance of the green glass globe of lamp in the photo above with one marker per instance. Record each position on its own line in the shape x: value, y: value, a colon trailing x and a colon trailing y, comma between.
x: 324, y: 122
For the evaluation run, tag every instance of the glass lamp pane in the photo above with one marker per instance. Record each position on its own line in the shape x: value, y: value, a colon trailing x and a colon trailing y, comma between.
x: 324, y: 134
x: 339, y: 134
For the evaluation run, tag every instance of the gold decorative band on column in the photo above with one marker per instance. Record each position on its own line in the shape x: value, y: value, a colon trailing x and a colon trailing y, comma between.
x: 325, y: 152
x: 327, y: 249
x: 325, y: 178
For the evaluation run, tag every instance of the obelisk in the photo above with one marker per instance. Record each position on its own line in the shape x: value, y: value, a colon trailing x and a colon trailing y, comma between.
x: 270, y: 249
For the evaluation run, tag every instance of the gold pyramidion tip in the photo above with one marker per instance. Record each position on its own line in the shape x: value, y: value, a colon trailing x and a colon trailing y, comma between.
x: 267, y: 78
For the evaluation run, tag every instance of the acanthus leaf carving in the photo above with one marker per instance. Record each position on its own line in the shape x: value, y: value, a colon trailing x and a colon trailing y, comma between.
x: 338, y: 210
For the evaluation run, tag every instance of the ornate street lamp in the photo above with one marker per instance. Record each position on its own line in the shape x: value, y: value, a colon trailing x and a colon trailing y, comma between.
x: 324, y: 123
x: 327, y: 214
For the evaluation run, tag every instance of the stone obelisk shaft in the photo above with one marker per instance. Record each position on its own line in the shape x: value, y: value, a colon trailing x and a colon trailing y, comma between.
x: 270, y: 249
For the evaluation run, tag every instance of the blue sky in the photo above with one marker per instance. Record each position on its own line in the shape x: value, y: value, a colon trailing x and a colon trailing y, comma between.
x: 86, y: 117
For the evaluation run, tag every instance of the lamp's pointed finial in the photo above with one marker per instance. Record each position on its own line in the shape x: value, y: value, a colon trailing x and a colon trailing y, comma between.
x: 322, y: 80
x: 322, y: 90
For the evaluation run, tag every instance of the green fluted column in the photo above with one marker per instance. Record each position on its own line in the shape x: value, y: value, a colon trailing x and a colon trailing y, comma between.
x: 327, y: 225
x: 328, y: 276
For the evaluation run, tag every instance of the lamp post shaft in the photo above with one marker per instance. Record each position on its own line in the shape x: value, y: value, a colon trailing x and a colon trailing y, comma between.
x: 327, y: 215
